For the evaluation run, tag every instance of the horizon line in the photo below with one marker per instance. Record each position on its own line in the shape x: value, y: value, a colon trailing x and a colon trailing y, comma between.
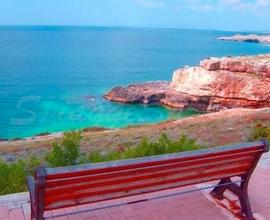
x: 122, y: 26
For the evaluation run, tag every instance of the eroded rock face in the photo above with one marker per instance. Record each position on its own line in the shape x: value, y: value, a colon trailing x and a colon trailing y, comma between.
x: 259, y: 65
x: 218, y: 83
x: 224, y: 89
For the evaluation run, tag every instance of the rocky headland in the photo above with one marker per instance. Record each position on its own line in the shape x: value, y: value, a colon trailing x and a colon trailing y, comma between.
x: 252, y: 38
x: 216, y: 84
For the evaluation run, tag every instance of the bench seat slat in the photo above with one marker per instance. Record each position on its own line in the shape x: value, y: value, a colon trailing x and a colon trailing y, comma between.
x: 168, y: 165
x: 127, y: 164
x: 195, y: 175
x: 143, y: 174
x: 150, y: 186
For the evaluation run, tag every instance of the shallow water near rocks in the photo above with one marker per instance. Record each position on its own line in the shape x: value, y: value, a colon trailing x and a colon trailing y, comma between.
x: 53, y: 78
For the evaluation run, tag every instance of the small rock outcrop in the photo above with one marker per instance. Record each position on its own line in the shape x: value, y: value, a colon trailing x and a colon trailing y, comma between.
x: 143, y: 93
x: 218, y: 83
x: 252, y: 38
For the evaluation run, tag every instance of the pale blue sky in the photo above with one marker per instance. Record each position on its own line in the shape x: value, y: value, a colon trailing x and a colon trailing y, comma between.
x: 198, y: 14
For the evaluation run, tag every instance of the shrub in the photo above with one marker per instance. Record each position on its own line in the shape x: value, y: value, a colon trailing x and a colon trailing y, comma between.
x: 67, y: 152
x: 260, y: 131
x: 147, y: 148
x: 96, y: 156
x: 31, y: 164
x: 13, y: 175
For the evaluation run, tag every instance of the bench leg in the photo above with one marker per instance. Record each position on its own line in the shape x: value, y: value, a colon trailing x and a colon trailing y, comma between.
x: 245, y: 207
x: 36, y: 212
x: 38, y: 216
x: 218, y: 191
x: 244, y: 199
x: 32, y: 214
x: 240, y: 191
x: 40, y: 213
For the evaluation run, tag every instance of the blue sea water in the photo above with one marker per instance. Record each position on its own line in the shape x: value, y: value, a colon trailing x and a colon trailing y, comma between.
x: 53, y: 78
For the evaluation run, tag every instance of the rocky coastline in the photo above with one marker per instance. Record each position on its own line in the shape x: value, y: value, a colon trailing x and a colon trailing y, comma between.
x: 251, y: 38
x: 216, y: 84
x: 235, y: 89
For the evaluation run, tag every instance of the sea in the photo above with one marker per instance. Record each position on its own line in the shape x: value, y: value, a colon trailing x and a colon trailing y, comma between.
x: 53, y: 78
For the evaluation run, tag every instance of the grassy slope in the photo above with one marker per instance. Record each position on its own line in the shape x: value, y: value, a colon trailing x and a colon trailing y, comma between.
x: 224, y: 127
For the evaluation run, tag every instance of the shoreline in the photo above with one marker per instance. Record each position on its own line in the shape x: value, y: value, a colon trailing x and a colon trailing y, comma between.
x: 54, y: 135
x: 59, y: 134
x: 212, y: 129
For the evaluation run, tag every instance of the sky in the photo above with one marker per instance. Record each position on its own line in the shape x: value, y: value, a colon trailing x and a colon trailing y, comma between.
x: 236, y: 15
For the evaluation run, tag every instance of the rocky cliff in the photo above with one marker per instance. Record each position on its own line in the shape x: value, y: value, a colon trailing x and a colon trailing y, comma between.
x: 259, y: 65
x: 218, y: 83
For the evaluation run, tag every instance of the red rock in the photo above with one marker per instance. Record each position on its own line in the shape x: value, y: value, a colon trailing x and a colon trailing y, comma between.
x: 225, y: 89
x: 259, y: 65
x: 219, y: 83
x: 180, y: 100
x: 144, y: 93
x: 211, y: 64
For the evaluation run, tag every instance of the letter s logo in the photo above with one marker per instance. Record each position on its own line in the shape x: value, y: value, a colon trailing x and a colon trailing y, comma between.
x: 32, y: 115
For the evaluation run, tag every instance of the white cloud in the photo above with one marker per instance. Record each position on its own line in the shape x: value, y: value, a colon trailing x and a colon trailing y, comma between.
x: 201, y: 7
x: 195, y: 5
x: 245, y: 5
x: 263, y: 3
x: 149, y: 3
x: 176, y: 8
x: 255, y: 6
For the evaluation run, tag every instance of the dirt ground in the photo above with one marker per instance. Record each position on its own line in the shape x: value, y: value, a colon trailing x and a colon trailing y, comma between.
x: 212, y: 129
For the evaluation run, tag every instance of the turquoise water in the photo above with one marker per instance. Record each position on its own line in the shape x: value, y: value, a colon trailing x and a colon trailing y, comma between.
x: 53, y: 78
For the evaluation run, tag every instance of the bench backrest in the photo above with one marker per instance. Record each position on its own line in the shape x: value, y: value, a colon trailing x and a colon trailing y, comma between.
x: 69, y: 186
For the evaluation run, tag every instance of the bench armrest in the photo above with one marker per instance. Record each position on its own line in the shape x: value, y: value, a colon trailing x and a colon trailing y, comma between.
x: 32, y: 188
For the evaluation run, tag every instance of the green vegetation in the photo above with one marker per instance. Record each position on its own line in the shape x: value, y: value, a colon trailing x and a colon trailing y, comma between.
x: 260, y: 131
x: 67, y: 152
x: 13, y: 175
x: 146, y: 147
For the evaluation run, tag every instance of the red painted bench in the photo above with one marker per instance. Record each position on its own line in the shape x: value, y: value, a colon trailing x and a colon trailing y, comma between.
x: 54, y: 188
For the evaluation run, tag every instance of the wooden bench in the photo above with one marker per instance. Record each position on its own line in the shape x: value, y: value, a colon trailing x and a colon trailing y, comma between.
x: 54, y: 188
